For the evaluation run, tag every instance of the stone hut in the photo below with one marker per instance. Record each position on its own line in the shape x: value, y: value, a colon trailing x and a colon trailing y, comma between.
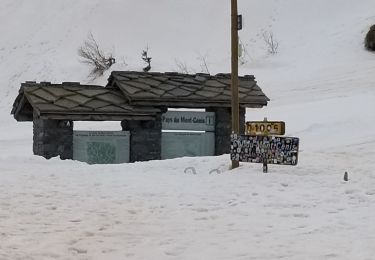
x: 137, y: 100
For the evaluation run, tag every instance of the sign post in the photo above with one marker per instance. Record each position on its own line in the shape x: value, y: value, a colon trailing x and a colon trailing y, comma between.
x: 263, y: 144
x: 265, y: 166
x: 265, y: 128
x: 234, y: 75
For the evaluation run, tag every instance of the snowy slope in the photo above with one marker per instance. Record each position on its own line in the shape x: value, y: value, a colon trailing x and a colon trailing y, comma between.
x: 320, y: 83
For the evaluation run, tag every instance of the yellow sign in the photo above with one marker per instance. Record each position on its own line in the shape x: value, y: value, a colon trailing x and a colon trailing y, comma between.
x: 265, y: 128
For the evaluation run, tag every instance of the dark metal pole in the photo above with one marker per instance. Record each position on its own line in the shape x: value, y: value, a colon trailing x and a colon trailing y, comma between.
x: 234, y: 84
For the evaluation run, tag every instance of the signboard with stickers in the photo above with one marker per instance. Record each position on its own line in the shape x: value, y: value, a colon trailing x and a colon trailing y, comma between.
x: 265, y: 149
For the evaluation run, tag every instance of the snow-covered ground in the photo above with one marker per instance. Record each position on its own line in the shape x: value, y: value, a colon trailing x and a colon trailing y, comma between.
x: 320, y: 83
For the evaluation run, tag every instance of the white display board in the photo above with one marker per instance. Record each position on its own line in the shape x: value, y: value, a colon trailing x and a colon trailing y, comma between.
x: 180, y: 144
x: 101, y: 147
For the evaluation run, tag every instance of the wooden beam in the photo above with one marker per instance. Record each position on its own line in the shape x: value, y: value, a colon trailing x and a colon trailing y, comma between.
x: 234, y: 75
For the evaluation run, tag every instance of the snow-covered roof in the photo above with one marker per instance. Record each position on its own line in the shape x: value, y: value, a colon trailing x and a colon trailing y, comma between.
x: 73, y: 101
x: 132, y: 95
x: 173, y: 89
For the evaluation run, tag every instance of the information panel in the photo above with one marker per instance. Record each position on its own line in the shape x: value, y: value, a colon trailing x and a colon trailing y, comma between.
x: 101, y: 147
x: 180, y: 144
x: 270, y: 149
x: 188, y: 120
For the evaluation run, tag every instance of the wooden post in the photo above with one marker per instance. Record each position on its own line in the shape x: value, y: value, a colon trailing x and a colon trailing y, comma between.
x: 265, y: 166
x: 234, y: 75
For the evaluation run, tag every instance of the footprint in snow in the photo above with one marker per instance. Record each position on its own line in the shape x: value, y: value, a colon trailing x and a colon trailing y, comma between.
x: 78, y: 250
x: 350, y: 191
x: 201, y: 210
x: 301, y: 215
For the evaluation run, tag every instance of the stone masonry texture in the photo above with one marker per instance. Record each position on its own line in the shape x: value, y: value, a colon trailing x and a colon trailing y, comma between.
x: 145, y: 139
x: 53, y: 138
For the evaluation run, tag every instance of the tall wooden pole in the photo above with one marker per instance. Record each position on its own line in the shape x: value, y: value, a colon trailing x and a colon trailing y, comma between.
x: 234, y: 85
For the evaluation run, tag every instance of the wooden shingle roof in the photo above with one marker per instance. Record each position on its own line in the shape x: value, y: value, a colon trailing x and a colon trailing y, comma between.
x: 185, y: 90
x: 132, y: 95
x: 75, y: 102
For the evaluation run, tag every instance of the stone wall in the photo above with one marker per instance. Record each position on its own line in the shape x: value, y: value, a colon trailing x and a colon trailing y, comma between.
x: 145, y: 139
x: 53, y: 138
x: 223, y: 126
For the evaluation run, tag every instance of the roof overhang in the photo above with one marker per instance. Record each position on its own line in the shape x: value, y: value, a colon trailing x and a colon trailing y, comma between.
x: 76, y: 102
x: 185, y: 90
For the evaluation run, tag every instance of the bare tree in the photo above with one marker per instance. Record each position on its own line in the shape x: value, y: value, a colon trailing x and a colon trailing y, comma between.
x: 182, y: 67
x: 204, y: 66
x: 271, y: 43
x: 90, y: 53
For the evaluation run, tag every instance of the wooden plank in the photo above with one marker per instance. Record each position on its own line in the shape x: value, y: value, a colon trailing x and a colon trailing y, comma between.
x: 91, y: 117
